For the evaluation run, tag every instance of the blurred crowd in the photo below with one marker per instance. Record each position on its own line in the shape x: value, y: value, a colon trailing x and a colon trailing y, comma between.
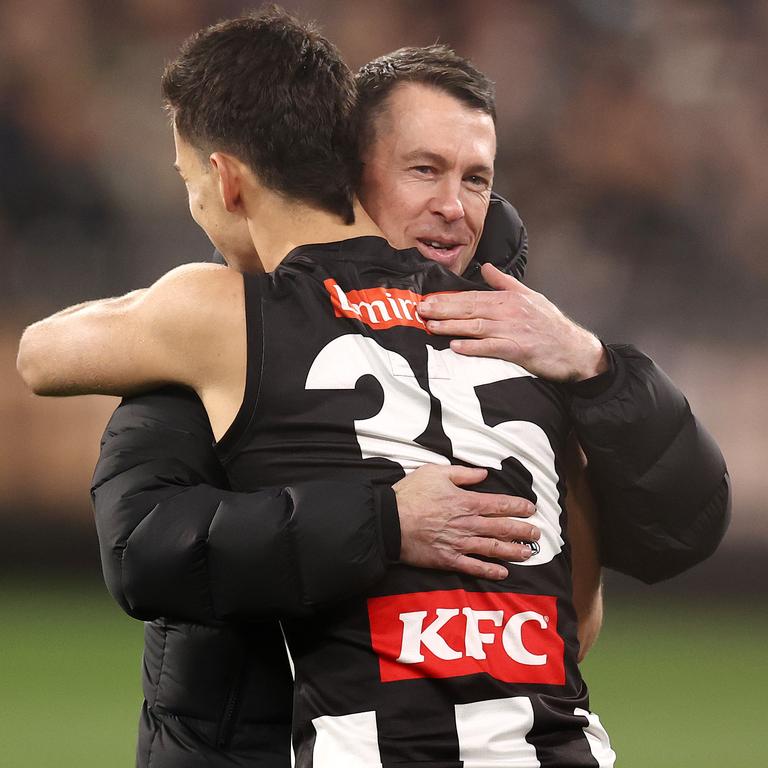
x: 633, y: 138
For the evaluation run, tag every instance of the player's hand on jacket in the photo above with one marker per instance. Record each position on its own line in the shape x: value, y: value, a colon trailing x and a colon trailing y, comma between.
x: 442, y: 525
x: 516, y: 324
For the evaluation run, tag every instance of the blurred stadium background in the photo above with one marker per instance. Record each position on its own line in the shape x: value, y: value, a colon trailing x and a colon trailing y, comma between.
x: 633, y: 139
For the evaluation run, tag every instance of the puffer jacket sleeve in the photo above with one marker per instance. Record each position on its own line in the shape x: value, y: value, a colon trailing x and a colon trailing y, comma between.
x: 660, y: 480
x: 175, y: 543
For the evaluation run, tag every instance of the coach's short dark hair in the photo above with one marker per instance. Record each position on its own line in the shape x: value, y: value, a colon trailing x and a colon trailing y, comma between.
x: 275, y: 93
x: 434, y: 65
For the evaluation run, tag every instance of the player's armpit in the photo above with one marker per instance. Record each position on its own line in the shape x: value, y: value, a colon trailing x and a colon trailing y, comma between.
x: 582, y: 529
x: 176, y: 331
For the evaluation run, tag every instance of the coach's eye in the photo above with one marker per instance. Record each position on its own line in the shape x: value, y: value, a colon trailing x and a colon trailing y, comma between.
x: 478, y: 182
x: 423, y: 170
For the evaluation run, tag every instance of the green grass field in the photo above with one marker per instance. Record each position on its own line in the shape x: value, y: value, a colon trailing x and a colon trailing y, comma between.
x: 676, y: 686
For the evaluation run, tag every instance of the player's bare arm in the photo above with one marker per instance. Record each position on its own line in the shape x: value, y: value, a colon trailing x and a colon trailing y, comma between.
x: 185, y: 329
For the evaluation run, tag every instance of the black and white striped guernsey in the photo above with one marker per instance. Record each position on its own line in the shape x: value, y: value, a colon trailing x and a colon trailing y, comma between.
x: 431, y: 669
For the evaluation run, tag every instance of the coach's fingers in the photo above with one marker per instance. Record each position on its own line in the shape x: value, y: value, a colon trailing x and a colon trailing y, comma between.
x: 479, y: 568
x: 461, y: 305
x: 500, y: 280
x: 476, y: 327
x: 448, y: 305
x: 511, y: 551
x: 504, y: 529
x: 496, y: 504
x: 461, y: 476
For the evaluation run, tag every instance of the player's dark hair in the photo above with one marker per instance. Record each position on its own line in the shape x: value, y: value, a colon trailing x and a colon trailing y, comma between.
x: 275, y: 93
x: 434, y: 65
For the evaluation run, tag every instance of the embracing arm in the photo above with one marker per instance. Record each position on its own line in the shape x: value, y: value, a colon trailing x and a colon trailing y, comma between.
x: 660, y: 481
x: 174, y: 543
x: 175, y: 332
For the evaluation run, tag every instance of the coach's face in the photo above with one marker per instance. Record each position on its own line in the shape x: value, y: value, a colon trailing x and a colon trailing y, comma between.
x: 427, y: 173
x: 227, y: 231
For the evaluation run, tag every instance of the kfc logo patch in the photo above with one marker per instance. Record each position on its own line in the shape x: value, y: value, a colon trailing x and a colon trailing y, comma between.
x: 509, y: 636
x: 379, y: 308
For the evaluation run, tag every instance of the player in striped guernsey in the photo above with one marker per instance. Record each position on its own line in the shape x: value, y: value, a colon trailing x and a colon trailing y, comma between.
x: 429, y: 668
x: 432, y: 669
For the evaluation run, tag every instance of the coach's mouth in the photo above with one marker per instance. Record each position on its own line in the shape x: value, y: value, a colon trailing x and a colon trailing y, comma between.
x: 445, y: 252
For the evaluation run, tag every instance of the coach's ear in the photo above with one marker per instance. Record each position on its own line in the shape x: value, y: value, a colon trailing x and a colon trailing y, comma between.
x: 229, y: 171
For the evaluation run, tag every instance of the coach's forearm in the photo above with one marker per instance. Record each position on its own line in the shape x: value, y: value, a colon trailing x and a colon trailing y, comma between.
x: 660, y: 479
x: 174, y: 544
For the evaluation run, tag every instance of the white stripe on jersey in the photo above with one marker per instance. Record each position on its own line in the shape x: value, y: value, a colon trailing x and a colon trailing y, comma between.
x: 347, y: 741
x: 492, y: 733
x: 293, y: 677
x: 597, y: 738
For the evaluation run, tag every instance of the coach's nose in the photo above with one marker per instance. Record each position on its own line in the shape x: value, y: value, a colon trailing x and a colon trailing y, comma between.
x: 446, y: 201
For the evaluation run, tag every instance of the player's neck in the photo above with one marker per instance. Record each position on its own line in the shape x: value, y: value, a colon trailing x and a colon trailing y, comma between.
x: 293, y: 225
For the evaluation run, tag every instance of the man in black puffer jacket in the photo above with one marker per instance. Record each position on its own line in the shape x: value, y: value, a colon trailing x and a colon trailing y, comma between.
x: 172, y: 540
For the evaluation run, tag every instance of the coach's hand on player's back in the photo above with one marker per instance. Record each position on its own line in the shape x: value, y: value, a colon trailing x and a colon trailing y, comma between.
x: 516, y: 324
x: 442, y: 525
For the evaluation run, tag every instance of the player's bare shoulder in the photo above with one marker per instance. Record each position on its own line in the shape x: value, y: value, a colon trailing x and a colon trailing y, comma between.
x: 204, y: 305
x: 195, y: 304
x: 200, y: 290
x: 201, y: 307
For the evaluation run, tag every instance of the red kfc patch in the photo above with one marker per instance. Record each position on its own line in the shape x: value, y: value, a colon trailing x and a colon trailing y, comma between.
x: 509, y: 636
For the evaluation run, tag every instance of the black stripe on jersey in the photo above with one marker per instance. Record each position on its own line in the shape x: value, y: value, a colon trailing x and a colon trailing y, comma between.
x: 558, y: 734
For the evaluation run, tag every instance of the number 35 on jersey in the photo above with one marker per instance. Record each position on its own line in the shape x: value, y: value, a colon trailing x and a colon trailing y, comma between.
x: 405, y: 413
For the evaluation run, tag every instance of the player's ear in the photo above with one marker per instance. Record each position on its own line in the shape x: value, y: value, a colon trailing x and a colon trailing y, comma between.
x: 229, y: 174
